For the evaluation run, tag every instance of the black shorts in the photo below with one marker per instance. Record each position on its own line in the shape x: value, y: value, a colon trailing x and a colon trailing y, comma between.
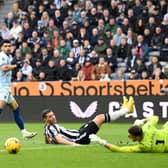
x: 85, y: 131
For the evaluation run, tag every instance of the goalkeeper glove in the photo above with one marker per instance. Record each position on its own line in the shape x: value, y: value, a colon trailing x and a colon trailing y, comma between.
x: 139, y: 122
x: 95, y: 138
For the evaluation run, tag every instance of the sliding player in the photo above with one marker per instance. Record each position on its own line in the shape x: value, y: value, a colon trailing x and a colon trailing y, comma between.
x: 149, y: 138
x: 56, y: 134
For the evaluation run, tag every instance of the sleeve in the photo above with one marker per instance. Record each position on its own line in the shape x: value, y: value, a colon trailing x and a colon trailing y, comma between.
x: 53, y: 131
x: 151, y: 122
x: 2, y: 61
x: 126, y: 149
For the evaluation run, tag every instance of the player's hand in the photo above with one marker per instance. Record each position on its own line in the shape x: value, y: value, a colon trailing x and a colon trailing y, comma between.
x: 95, y: 138
x: 139, y: 122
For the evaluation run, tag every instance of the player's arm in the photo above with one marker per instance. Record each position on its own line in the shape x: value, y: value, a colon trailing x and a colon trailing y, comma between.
x: 6, y: 68
x: 128, y: 149
x: 152, y: 120
x: 114, y: 148
x: 64, y: 141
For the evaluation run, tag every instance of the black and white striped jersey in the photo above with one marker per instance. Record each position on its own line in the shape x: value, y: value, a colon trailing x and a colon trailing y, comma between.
x: 50, y: 131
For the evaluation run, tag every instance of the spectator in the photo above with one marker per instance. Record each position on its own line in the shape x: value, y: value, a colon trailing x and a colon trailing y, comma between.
x: 56, y: 56
x: 87, y: 47
x: 51, y: 71
x: 63, y: 73
x: 71, y: 61
x: 132, y: 59
x: 101, y: 68
x: 101, y: 47
x: 144, y: 75
x: 158, y: 74
x: 100, y: 27
x: 137, y: 8
x: 37, y: 69
x: 19, y: 77
x: 9, y: 20
x: 133, y: 75
x: 82, y: 35
x: 26, y: 69
x: 112, y: 26
x: 142, y: 48
x: 131, y: 37
x: 140, y: 26
x: 33, y: 20
x: 81, y: 58
x: 111, y: 59
x: 147, y: 36
x: 45, y: 18
x: 51, y: 28
x: 63, y: 50
x: 83, y: 17
x: 94, y: 58
x: 15, y: 30
x: 153, y: 65
x: 33, y: 39
x: 118, y: 36
x: 17, y: 59
x: 45, y: 39
x: 44, y: 57
x: 25, y: 48
x: 87, y: 69
x: 164, y: 50
x: 123, y: 50
x: 58, y: 19
x: 27, y: 30
x: 119, y: 75
x: 94, y: 37
x: 76, y: 48
x: 4, y: 31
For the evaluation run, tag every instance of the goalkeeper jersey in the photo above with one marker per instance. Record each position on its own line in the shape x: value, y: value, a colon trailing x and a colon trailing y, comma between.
x: 154, y: 140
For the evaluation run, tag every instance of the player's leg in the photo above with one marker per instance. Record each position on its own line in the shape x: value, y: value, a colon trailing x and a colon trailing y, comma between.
x: 3, y: 99
x: 18, y: 119
x: 127, y: 107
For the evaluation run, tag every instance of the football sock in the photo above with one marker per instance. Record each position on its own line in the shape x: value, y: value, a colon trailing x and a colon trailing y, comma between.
x: 0, y: 111
x: 18, y: 118
x: 117, y: 114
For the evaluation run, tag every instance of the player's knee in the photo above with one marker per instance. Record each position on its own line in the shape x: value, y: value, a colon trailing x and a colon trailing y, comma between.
x: 99, y: 119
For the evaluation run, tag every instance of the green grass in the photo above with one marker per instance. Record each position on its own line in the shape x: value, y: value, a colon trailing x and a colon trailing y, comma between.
x: 35, y: 154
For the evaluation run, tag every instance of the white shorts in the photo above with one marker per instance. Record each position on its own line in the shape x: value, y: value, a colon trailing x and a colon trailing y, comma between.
x: 6, y: 96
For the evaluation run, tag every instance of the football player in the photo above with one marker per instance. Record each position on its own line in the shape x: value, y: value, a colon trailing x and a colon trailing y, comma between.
x: 5, y: 92
x: 149, y: 138
x: 56, y: 134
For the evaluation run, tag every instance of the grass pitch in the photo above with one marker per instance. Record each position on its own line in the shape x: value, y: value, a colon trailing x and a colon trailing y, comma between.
x: 36, y: 154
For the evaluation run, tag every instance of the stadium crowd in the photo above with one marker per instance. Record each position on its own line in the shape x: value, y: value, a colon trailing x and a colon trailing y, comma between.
x: 63, y: 40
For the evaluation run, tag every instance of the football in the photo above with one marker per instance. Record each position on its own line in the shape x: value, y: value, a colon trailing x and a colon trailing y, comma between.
x: 12, y: 145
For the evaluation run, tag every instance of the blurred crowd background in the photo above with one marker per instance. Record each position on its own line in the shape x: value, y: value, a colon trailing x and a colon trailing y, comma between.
x: 65, y: 40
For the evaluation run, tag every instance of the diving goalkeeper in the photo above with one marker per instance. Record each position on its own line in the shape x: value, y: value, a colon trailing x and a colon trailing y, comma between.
x: 149, y: 138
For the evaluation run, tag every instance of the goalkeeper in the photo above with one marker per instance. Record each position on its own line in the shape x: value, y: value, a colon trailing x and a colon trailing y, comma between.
x: 149, y: 138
